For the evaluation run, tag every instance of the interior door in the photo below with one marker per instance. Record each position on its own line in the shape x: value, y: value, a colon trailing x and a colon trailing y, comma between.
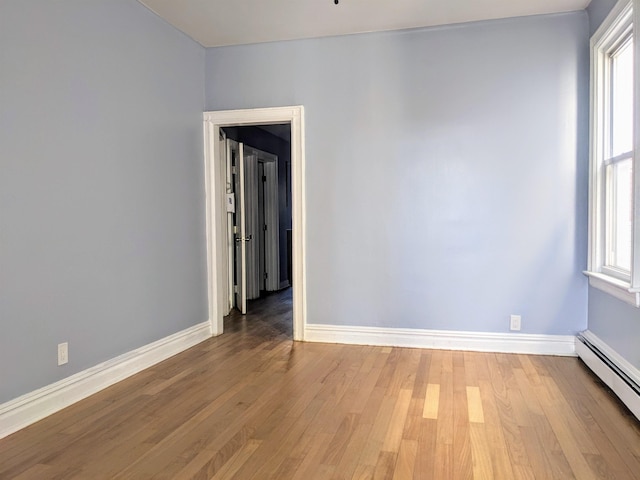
x: 241, y: 232
x: 229, y: 151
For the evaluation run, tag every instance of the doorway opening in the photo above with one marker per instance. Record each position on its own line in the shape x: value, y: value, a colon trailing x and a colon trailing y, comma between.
x: 219, y: 126
x: 258, y: 191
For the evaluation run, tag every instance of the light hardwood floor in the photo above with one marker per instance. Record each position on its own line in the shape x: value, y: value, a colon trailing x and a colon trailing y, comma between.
x: 252, y: 404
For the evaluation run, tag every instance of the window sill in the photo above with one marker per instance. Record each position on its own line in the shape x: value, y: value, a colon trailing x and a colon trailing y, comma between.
x: 614, y: 287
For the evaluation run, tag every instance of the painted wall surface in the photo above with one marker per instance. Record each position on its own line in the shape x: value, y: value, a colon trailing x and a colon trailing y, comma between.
x: 446, y: 169
x: 617, y: 323
x: 597, y: 11
x: 102, y: 224
x: 614, y: 321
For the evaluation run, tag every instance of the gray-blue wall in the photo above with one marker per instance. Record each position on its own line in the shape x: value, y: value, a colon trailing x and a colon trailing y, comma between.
x: 617, y: 323
x: 614, y: 321
x: 597, y: 11
x: 102, y: 237
x: 446, y: 169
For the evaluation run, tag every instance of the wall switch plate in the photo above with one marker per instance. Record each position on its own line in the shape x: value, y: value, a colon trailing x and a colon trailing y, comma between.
x: 231, y: 203
x: 516, y: 322
x: 63, y: 353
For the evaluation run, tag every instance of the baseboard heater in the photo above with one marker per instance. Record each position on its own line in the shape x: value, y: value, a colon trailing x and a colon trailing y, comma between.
x: 609, y: 371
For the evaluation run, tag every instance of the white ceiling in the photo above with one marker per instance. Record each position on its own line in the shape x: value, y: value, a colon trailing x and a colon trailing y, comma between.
x: 215, y: 23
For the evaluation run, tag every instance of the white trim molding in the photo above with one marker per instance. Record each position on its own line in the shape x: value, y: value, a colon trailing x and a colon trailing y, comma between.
x: 31, y: 407
x: 607, y: 374
x: 617, y: 288
x: 216, y: 208
x: 563, y: 345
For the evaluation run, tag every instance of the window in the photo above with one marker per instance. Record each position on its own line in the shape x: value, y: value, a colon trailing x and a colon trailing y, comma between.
x: 614, y: 258
x: 617, y: 157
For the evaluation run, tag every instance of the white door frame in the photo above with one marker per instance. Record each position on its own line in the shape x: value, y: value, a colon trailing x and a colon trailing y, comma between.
x: 216, y: 216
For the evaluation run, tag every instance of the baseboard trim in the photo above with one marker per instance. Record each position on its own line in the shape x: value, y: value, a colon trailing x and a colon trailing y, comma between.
x: 628, y: 395
x: 563, y: 345
x: 33, y: 406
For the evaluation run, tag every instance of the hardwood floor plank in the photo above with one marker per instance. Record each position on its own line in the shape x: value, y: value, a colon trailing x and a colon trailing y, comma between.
x: 526, y: 389
x: 426, y: 459
x: 363, y: 386
x: 435, y: 366
x: 323, y: 472
x: 445, y: 410
x: 501, y: 461
x: 565, y: 437
x: 501, y: 376
x: 404, y: 377
x: 463, y: 464
x: 378, y: 433
x: 389, y: 367
x: 36, y: 472
x: 578, y: 427
x: 523, y: 473
x: 422, y: 376
x: 444, y: 454
x: 431, y: 402
x: 396, y: 426
x: 471, y: 366
x: 372, y: 406
x: 414, y: 419
x: 340, y: 440
x: 363, y: 472
x: 406, y: 460
x: 317, y: 446
x: 288, y: 468
x: 350, y: 459
x: 551, y: 449
x: 229, y: 468
x: 474, y: 404
x: 385, y: 466
x: 443, y: 461
x: 540, y: 466
x: 482, y: 464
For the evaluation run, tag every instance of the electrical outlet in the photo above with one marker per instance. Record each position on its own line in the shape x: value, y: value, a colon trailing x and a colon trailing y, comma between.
x: 516, y: 322
x: 63, y: 353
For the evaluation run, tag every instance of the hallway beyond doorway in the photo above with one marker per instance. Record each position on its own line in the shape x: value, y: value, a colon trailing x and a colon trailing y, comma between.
x: 271, y: 315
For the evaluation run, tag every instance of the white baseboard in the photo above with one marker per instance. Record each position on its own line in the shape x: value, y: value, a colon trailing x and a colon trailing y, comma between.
x: 625, y: 393
x: 31, y: 407
x: 443, y: 339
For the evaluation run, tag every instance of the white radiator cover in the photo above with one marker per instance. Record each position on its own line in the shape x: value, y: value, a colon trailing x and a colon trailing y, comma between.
x: 617, y: 373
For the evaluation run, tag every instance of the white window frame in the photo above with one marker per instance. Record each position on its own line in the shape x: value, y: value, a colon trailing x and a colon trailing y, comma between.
x: 624, y: 287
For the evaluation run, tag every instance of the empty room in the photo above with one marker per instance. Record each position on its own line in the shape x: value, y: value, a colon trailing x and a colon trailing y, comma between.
x: 319, y: 239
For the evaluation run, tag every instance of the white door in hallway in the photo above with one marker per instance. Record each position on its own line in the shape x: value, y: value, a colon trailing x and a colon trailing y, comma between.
x: 236, y: 155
